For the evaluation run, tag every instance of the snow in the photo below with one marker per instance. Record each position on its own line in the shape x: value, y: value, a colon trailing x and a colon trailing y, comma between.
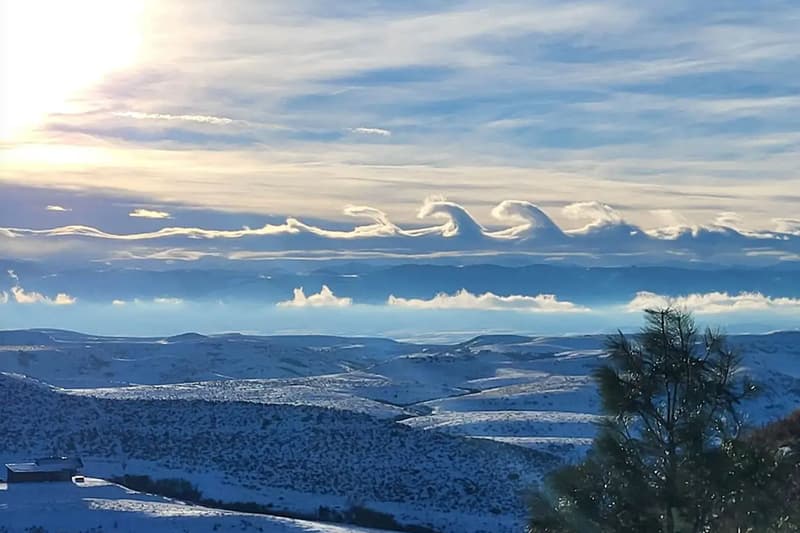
x: 448, y: 436
x: 95, y: 505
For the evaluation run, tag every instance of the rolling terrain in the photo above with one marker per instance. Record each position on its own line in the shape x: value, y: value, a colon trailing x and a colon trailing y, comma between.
x: 97, y: 505
x: 448, y: 437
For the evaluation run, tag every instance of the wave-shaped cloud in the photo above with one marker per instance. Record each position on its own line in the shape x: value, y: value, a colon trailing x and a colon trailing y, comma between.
x: 324, y: 298
x: 529, y: 231
x: 458, y: 222
x: 488, y: 301
x: 714, y: 302
x: 532, y: 222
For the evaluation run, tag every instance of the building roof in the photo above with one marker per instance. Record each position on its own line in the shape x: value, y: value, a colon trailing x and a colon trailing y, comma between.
x: 47, y: 464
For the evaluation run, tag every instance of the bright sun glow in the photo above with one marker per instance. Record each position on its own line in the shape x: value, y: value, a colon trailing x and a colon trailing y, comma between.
x: 54, y: 48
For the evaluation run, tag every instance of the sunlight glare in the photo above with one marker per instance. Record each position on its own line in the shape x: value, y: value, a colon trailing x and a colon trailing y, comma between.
x: 52, y: 49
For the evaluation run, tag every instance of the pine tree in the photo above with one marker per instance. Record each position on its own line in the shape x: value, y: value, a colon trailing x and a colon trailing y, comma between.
x: 668, y: 455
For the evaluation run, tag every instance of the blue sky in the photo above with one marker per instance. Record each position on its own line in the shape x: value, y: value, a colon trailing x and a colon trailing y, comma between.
x: 670, y: 111
x: 248, y: 136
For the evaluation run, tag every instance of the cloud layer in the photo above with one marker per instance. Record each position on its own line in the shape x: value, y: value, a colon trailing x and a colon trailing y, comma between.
x: 518, y: 228
x: 488, y: 301
x: 716, y: 302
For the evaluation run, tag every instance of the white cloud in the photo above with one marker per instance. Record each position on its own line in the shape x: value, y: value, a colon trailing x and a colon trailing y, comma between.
x: 119, y: 303
x: 167, y: 301
x: 519, y: 227
x: 714, y: 302
x: 324, y: 298
x: 3, y: 297
x: 147, y: 213
x: 599, y: 213
x: 464, y: 299
x: 372, y: 131
x: 728, y: 219
x: 204, y: 119
x: 788, y: 225
x: 457, y: 220
x: 21, y: 296
x: 57, y: 208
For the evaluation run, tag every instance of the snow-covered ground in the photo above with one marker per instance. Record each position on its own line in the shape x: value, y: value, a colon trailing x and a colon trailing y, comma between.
x: 97, y: 505
x: 447, y: 436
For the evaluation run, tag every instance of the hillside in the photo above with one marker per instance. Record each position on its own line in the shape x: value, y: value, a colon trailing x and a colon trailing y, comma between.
x: 97, y: 505
x: 444, y: 436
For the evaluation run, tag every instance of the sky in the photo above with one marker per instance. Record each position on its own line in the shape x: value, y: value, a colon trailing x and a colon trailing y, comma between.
x: 671, y: 112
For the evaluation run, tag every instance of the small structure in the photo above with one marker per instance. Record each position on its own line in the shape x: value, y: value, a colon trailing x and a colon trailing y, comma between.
x: 45, y: 469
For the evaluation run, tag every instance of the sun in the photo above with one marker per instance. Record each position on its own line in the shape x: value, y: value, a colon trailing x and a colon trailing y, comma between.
x: 51, y: 49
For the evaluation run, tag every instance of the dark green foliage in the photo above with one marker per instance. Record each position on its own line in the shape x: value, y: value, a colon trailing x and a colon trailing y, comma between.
x: 669, y: 455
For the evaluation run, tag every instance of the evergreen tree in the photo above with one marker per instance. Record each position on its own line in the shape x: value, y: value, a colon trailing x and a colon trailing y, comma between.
x: 668, y: 456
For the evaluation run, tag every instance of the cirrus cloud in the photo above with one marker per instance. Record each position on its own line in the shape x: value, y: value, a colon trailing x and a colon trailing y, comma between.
x: 203, y: 119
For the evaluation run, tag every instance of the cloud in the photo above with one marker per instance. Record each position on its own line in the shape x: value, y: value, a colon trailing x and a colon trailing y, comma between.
x: 488, y: 301
x: 57, y: 208
x: 529, y: 231
x: 441, y: 71
x: 204, y: 119
x: 601, y: 215
x: 457, y: 220
x: 728, y: 219
x: 533, y: 221
x: 788, y: 225
x: 147, y: 213
x: 21, y: 296
x: 167, y: 301
x: 3, y: 297
x: 324, y: 298
x: 714, y: 302
x: 372, y: 131
x: 156, y: 301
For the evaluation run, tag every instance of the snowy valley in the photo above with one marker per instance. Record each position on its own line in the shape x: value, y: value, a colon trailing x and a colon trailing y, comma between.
x: 445, y: 437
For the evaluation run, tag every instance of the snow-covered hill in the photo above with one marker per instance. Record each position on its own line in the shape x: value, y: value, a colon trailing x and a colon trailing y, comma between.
x: 447, y: 436
x: 97, y: 505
